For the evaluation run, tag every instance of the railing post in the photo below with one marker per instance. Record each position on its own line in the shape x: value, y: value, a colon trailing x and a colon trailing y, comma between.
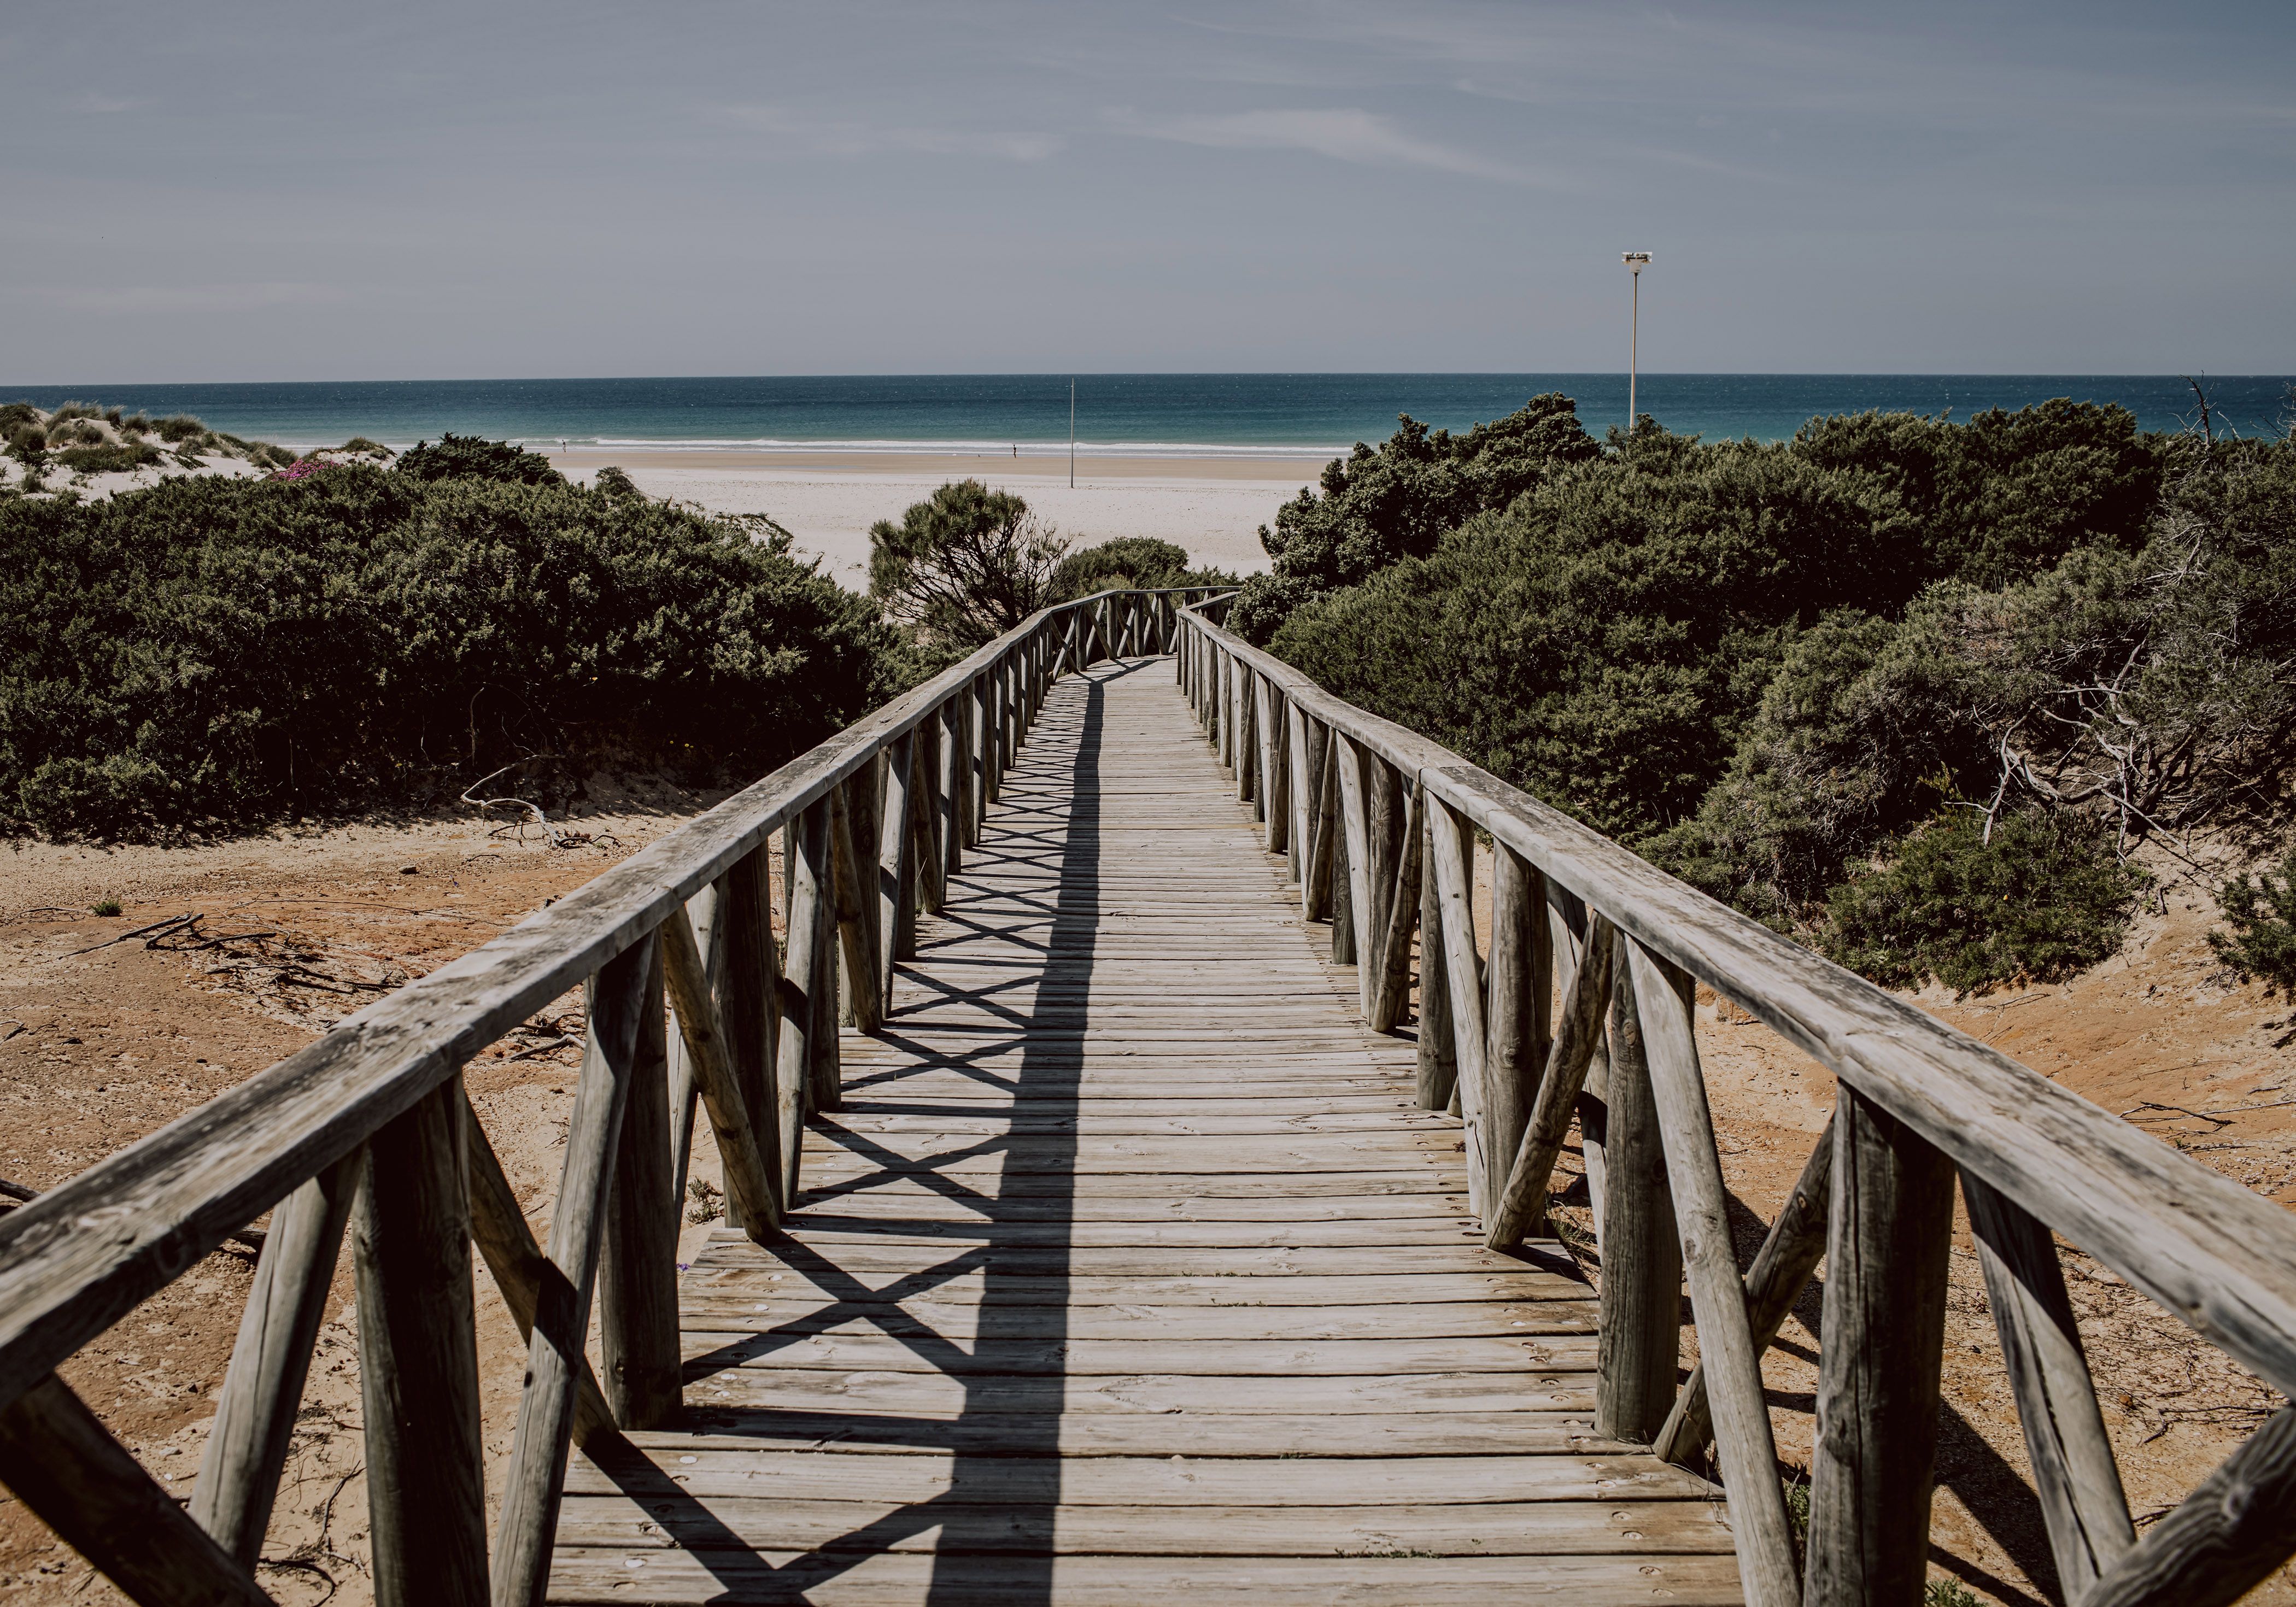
x: 641, y: 1368
x: 419, y: 1359
x: 1346, y: 763
x: 1734, y: 1365
x: 1879, y: 1352
x: 1438, y: 1067
x: 807, y: 1013
x: 1640, y: 1312
x: 554, y: 1357
x: 747, y: 996
x: 949, y: 794
x: 1518, y: 1012
x: 1313, y: 785
x: 1452, y: 839
x: 896, y: 908
x: 255, y: 1412
x: 702, y: 912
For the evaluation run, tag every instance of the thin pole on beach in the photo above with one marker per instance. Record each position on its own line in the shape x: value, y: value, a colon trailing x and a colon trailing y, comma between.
x: 1635, y: 262
x: 1071, y: 435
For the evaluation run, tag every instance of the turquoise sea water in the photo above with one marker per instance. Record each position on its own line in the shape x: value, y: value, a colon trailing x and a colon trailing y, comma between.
x: 1308, y: 414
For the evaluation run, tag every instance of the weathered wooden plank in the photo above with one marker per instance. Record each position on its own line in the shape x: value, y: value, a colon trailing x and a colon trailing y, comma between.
x: 1642, y: 1253
x: 1782, y: 1267
x: 419, y: 1359
x: 637, y: 1258
x: 1387, y: 1578
x: 554, y: 1355
x: 806, y: 1013
x: 1741, y: 1418
x: 263, y: 1389
x: 1462, y: 975
x: 1890, y: 1227
x: 2226, y: 1538
x: 82, y: 1483
x: 2070, y: 1454
x: 748, y: 1179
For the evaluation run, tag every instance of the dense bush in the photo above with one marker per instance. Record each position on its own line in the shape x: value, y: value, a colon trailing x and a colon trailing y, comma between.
x: 2044, y: 897
x: 214, y: 650
x: 1129, y: 563
x: 963, y: 566
x: 2260, y: 910
x: 1763, y: 666
x: 467, y: 457
x: 1376, y: 507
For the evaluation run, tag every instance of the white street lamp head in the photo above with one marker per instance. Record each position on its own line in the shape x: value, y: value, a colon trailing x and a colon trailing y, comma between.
x: 1636, y: 260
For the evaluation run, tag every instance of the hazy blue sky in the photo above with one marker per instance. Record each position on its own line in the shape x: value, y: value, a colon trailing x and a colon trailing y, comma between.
x: 260, y: 191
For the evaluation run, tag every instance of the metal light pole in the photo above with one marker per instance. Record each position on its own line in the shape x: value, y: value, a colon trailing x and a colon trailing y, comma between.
x: 1636, y: 261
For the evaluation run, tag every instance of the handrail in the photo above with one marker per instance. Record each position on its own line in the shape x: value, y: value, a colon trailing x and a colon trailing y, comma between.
x: 1922, y: 1101
x: 872, y: 820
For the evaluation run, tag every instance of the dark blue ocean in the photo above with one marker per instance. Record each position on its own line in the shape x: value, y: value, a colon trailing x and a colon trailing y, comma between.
x: 1309, y: 414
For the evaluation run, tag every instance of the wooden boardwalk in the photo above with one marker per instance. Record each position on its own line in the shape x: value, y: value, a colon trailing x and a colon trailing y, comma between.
x: 1129, y: 1269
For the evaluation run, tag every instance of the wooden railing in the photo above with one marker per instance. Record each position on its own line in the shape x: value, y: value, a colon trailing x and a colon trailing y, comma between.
x: 1581, y: 1009
x: 369, y: 1130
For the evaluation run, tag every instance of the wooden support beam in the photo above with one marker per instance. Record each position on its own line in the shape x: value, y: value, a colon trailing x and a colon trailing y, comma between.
x: 1355, y: 822
x: 82, y: 1483
x: 1454, y: 843
x: 1883, y: 1339
x: 1521, y: 1205
x: 701, y: 913
x: 747, y: 994
x: 638, y: 1261
x: 1782, y: 1267
x: 1639, y: 1317
x: 1317, y: 785
x: 808, y: 1015
x: 892, y: 878
x: 1515, y: 1014
x: 537, y: 1477
x: 1437, y: 1072
x: 1693, y: 1168
x: 521, y: 1271
x: 2226, y: 1538
x: 263, y: 1389
x: 426, y: 1482
x: 1392, y: 983
x: 2074, y: 1473
x: 733, y: 1121
x: 856, y: 890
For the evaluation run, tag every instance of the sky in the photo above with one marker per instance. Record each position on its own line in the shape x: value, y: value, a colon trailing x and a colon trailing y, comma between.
x: 257, y: 192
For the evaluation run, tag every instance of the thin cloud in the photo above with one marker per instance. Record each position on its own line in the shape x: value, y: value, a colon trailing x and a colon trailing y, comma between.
x: 828, y: 137
x: 1342, y: 133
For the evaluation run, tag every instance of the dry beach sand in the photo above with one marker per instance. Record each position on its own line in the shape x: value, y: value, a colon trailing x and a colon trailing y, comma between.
x: 1213, y: 506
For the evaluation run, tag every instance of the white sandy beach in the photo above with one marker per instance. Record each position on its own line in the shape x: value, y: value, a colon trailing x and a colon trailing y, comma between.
x: 1212, y: 506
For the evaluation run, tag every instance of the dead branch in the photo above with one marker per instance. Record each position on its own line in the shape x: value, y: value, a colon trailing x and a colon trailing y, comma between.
x: 159, y: 928
x: 533, y: 815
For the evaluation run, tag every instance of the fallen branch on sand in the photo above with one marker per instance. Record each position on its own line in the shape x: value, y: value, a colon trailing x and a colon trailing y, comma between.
x: 532, y: 812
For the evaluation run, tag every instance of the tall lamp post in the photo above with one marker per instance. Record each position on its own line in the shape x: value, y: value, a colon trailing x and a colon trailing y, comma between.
x: 1636, y: 261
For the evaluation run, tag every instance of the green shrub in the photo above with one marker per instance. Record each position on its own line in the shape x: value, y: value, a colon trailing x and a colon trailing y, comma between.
x: 963, y: 566
x: 74, y: 410
x: 28, y: 443
x: 2043, y: 898
x: 180, y: 427
x: 361, y: 446
x: 1126, y: 562
x: 105, y: 906
x: 15, y: 415
x: 2261, y: 912
x: 108, y: 459
x: 1947, y: 1592
x: 467, y: 457
x: 226, y: 651
x: 75, y: 432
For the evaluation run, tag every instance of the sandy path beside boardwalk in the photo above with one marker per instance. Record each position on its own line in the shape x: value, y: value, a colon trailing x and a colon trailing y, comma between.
x: 1212, y: 506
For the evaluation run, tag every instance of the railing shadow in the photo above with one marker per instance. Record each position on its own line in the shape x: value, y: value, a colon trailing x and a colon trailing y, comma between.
x: 1004, y: 1488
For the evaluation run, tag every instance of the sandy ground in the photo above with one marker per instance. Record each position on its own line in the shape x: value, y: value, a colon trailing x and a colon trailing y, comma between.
x: 103, y: 1041
x: 1212, y: 507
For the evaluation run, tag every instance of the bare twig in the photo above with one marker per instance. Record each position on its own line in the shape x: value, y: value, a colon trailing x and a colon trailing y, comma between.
x: 157, y: 927
x: 533, y: 815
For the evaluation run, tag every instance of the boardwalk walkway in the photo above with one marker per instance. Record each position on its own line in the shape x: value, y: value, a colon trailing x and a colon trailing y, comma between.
x: 1130, y: 1269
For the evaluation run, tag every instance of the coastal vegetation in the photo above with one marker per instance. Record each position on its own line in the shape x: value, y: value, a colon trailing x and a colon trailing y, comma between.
x: 216, y: 653
x: 967, y: 564
x: 1915, y: 690
x: 83, y: 439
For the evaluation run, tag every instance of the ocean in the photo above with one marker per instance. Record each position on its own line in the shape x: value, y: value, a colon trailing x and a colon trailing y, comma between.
x: 1307, y: 416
